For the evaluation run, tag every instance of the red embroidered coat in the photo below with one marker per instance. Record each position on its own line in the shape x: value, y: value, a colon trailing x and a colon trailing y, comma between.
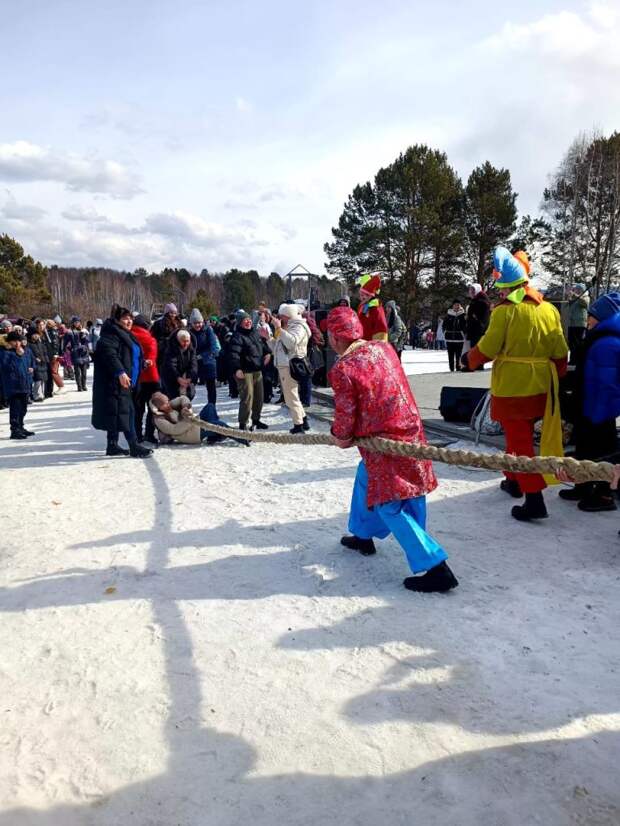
x: 373, y: 398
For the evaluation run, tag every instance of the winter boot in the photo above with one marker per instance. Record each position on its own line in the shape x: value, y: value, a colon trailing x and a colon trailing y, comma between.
x: 299, y: 428
x: 598, y: 502
x: 306, y: 423
x: 438, y: 580
x: 511, y: 487
x: 114, y: 450
x: 28, y: 432
x: 534, y: 508
x: 18, y: 434
x: 139, y: 452
x: 576, y: 493
x: 365, y: 546
x: 260, y: 426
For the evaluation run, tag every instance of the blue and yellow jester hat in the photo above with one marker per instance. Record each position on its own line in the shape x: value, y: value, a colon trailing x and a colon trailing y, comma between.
x: 510, y: 270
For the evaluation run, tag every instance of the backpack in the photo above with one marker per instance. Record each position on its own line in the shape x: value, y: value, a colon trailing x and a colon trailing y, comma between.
x: 481, y: 422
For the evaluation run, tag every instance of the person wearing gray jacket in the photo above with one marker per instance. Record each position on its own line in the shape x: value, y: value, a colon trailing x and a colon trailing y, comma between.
x: 397, y: 331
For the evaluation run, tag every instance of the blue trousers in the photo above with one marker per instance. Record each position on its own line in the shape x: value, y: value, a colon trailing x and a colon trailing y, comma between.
x: 405, y: 519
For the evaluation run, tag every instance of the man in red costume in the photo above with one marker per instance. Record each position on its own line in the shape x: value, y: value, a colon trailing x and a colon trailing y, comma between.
x: 370, y: 311
x: 373, y: 398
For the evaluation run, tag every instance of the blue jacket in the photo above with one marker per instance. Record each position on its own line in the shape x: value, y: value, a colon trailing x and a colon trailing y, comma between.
x: 602, y: 371
x: 14, y: 373
x: 207, y: 350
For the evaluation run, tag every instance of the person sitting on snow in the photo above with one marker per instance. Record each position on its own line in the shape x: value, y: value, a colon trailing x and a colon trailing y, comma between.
x: 173, y: 419
x: 372, y: 398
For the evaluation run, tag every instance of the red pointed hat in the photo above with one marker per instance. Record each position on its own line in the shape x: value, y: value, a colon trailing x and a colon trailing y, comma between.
x: 370, y: 282
x: 343, y: 323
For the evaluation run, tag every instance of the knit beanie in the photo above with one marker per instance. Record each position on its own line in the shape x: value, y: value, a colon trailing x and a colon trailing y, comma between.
x: 196, y: 316
x: 171, y: 308
x: 476, y: 288
x: 240, y: 315
x: 290, y: 310
x: 605, y: 307
x: 140, y: 321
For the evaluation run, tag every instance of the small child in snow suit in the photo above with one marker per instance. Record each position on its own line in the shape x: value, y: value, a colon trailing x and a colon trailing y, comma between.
x: 16, y: 376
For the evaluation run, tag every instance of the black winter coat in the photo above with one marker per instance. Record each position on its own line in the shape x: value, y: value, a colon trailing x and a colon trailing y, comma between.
x: 247, y: 351
x: 52, y: 342
x: 162, y: 331
x: 178, y: 364
x: 42, y: 359
x: 454, y: 327
x: 478, y: 315
x: 76, y: 341
x: 112, y: 404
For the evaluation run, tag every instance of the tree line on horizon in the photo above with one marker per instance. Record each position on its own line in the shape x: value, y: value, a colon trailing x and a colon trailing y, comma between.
x: 416, y: 222
x: 29, y: 288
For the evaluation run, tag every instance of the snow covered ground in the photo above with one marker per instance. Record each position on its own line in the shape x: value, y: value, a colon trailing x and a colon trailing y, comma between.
x: 185, y: 643
x: 420, y: 362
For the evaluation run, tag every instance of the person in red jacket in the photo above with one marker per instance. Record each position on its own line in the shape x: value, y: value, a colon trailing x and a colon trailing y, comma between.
x: 372, y: 398
x: 370, y: 311
x: 148, y: 382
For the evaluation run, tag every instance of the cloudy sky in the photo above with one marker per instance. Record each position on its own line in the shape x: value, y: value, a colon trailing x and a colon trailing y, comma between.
x: 213, y: 134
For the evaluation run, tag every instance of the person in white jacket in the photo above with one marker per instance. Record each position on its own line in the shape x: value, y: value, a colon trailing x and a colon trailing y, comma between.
x: 290, y: 340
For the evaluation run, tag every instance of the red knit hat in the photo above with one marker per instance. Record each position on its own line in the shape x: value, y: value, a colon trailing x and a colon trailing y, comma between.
x: 370, y: 282
x: 343, y: 323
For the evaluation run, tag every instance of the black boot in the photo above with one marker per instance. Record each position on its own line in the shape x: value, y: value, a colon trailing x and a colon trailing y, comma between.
x: 598, y: 502
x: 575, y: 494
x: 18, y: 434
x: 260, y: 426
x: 139, y: 452
x: 27, y: 432
x: 306, y: 423
x: 534, y: 508
x: 438, y: 580
x: 299, y: 428
x: 365, y: 546
x: 511, y: 487
x: 114, y: 450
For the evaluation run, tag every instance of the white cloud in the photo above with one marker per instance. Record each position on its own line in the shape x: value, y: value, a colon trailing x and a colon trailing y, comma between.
x: 27, y: 162
x: 198, y: 232
x: 75, y: 212
x: 14, y: 211
x: 565, y: 36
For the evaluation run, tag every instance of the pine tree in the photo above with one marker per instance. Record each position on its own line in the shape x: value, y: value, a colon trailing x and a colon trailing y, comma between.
x: 490, y: 215
x: 407, y: 224
x: 23, y: 281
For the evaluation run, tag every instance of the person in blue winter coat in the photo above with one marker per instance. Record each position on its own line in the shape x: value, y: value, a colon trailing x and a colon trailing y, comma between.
x: 16, y: 377
x: 597, y: 400
x: 207, y: 351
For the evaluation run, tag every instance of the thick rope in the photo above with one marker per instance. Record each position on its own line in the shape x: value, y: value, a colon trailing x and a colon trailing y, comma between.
x: 579, y: 471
